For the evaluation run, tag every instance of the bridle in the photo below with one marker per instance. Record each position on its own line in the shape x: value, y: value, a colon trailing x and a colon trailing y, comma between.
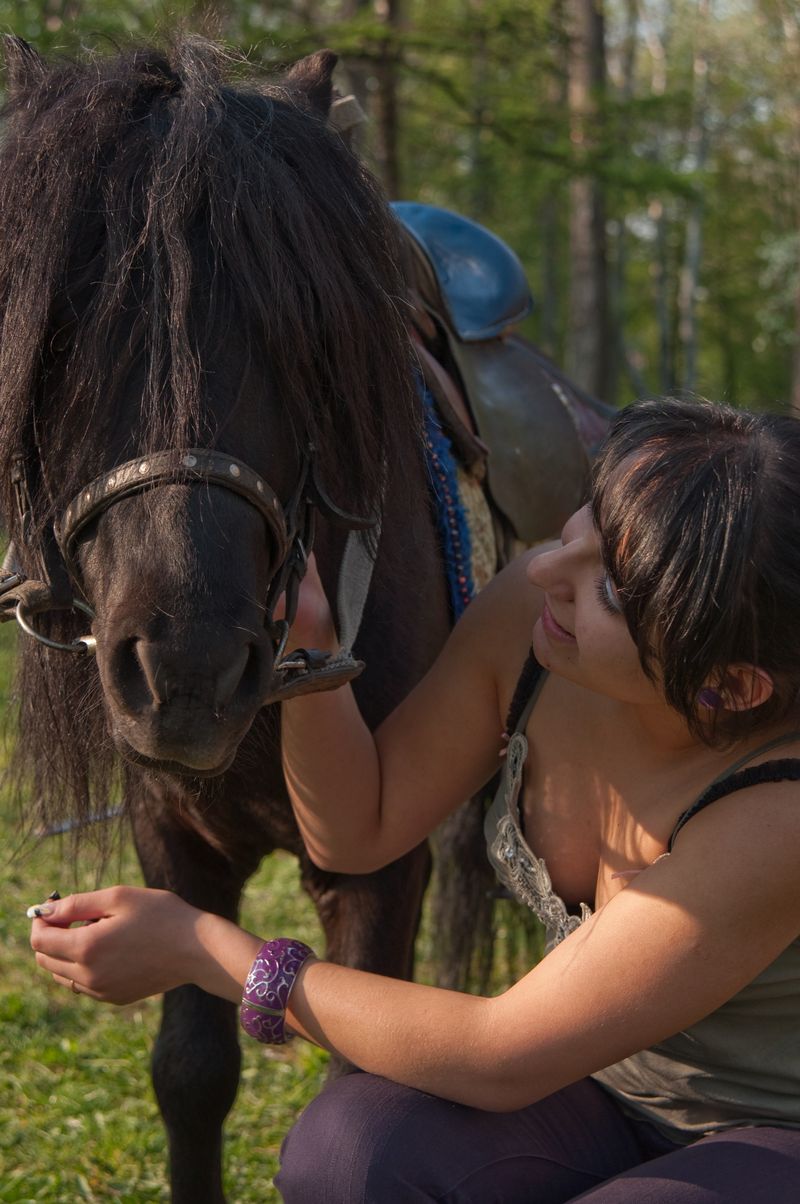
x: 291, y: 526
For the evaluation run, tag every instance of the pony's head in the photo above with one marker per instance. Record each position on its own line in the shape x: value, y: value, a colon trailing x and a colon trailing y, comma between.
x: 185, y: 262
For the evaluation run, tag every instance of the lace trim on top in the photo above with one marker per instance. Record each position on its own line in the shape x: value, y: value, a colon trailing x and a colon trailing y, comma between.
x: 520, y: 870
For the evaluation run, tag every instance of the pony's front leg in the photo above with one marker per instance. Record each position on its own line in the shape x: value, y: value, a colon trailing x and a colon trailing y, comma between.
x: 195, y: 1066
x: 196, y: 1059
x: 371, y: 920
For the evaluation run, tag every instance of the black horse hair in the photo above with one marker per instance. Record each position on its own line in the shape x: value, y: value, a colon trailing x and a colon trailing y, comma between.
x: 151, y: 212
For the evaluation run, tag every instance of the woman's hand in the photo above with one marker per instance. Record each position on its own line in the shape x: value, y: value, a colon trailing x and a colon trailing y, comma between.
x: 128, y: 942
x: 313, y: 625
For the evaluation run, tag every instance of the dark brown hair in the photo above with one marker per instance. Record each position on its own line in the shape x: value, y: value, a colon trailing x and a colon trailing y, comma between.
x: 698, y: 507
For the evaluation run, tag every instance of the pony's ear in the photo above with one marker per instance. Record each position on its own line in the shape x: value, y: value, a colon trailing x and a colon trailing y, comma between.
x: 312, y: 77
x: 23, y: 64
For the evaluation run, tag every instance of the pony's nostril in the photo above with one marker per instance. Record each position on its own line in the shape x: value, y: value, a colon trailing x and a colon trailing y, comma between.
x: 132, y: 678
x: 256, y: 672
x: 229, y: 679
x: 151, y: 670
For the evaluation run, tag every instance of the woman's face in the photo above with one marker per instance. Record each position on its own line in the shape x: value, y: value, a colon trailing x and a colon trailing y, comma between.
x: 582, y: 634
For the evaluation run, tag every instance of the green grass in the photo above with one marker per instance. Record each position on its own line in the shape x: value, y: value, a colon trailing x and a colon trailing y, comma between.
x: 78, y: 1118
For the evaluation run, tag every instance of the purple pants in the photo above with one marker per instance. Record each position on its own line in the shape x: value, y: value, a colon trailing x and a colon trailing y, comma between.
x: 365, y: 1140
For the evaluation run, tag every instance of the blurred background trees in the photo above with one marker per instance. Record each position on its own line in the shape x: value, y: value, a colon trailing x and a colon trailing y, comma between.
x: 641, y: 156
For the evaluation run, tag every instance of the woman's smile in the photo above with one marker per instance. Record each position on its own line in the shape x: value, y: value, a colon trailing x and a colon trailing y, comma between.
x: 553, y: 629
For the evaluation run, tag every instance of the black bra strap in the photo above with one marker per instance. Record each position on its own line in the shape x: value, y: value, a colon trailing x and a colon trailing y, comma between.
x: 526, y: 684
x: 784, y: 770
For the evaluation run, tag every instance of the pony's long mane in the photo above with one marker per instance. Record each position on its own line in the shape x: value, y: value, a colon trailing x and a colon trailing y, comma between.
x: 152, y: 214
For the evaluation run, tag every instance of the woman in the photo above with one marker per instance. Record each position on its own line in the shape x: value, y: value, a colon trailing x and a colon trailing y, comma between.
x: 650, y: 760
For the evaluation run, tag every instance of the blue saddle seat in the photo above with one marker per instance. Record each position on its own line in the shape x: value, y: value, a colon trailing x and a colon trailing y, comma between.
x: 481, y: 281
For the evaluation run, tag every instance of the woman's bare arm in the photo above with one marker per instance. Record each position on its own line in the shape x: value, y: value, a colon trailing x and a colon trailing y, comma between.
x: 363, y: 799
x: 668, y: 949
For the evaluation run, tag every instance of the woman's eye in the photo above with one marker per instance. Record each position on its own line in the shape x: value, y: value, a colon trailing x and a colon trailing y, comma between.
x: 608, y: 595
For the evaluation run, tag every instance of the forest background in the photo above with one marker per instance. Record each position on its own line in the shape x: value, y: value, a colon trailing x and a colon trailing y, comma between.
x: 641, y: 156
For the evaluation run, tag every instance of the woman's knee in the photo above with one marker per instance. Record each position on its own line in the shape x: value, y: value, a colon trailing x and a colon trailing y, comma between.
x: 736, y: 1166
x: 341, y: 1150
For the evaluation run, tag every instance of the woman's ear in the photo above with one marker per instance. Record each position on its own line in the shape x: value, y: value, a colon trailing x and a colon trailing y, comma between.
x: 745, y: 687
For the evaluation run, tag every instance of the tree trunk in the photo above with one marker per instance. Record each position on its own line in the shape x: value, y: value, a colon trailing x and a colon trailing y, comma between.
x: 698, y: 149
x: 552, y: 205
x: 373, y: 81
x: 357, y: 70
x: 656, y: 42
x: 387, y: 156
x: 667, y: 378
x: 619, y: 358
x: 481, y: 188
x: 588, y: 333
x: 791, y: 27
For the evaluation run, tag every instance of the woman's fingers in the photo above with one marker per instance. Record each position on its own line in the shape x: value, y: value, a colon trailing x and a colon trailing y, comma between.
x: 66, y: 973
x: 104, y: 940
x: 90, y: 905
x: 76, y: 988
x: 63, y: 975
x: 54, y: 941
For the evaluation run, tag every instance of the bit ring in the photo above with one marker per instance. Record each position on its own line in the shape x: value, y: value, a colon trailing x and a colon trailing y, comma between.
x: 86, y: 643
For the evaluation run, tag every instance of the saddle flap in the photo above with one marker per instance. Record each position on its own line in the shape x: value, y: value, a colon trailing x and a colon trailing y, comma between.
x: 538, y: 465
x: 480, y: 285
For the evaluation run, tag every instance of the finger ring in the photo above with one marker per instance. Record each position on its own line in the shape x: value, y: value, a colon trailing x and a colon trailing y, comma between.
x: 73, y: 988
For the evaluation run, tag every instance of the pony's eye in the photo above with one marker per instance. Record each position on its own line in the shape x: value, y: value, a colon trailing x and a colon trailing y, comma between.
x: 608, y: 595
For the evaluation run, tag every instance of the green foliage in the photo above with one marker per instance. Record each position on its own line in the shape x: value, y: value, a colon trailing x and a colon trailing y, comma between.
x: 483, y: 128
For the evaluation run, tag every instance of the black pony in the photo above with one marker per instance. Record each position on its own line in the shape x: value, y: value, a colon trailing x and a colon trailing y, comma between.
x: 202, y: 336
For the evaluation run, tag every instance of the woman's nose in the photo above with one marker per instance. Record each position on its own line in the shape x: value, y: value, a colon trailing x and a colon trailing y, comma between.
x: 550, y: 571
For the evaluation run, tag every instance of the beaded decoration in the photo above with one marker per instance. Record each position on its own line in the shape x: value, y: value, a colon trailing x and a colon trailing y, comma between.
x: 450, y: 519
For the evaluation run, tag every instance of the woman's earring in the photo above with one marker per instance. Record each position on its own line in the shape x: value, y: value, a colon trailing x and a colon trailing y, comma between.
x: 710, y: 699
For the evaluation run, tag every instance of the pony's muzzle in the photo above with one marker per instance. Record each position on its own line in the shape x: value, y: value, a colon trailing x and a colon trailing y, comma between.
x: 165, y: 679
x: 188, y: 703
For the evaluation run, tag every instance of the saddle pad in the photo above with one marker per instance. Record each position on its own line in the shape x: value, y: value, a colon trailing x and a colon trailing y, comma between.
x: 463, y: 518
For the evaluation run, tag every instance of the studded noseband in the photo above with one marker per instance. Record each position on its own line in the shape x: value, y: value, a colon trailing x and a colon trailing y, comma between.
x: 291, y: 526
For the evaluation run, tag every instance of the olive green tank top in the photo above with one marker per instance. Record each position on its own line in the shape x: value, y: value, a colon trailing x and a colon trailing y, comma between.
x: 738, y: 1066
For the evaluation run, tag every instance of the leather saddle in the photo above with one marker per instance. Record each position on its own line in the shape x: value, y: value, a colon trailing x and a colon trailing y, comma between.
x: 512, y: 415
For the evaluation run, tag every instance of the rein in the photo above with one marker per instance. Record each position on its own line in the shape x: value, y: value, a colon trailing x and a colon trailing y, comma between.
x: 291, y: 526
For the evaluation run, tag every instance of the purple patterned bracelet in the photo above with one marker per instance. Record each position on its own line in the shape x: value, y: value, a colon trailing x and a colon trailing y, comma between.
x: 268, y: 987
